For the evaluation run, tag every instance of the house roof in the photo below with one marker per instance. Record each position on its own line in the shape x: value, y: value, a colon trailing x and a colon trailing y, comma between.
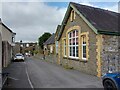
x: 57, y: 30
x: 50, y: 40
x: 6, y: 27
x: 100, y: 20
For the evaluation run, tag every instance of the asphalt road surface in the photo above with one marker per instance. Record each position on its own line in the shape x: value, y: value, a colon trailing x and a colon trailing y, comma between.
x: 34, y: 73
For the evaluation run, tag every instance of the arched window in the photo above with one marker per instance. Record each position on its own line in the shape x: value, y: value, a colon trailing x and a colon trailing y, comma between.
x: 65, y: 48
x: 73, y: 43
x: 83, y: 47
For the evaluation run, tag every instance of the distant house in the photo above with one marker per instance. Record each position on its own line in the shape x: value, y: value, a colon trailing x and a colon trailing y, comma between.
x: 29, y: 47
x: 88, y: 40
x: 8, y: 39
x: 49, y: 45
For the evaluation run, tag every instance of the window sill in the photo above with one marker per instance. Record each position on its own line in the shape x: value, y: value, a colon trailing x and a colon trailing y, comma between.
x: 85, y: 61
x: 65, y: 57
x: 69, y: 58
x: 75, y: 59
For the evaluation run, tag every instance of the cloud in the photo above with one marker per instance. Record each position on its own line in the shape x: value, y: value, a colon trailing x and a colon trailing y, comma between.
x: 112, y: 8
x: 31, y: 19
x: 119, y: 6
x: 0, y: 9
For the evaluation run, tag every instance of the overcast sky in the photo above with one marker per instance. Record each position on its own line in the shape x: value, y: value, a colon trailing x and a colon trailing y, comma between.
x: 31, y: 19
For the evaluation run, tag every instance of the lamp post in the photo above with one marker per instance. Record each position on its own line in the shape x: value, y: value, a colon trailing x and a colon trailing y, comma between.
x: 21, y: 46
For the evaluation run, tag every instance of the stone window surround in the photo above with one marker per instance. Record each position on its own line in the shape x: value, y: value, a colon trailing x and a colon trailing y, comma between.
x: 79, y: 44
x: 72, y: 16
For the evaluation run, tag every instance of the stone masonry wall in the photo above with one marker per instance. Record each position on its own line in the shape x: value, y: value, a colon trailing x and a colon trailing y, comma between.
x: 89, y: 66
x: 110, y: 55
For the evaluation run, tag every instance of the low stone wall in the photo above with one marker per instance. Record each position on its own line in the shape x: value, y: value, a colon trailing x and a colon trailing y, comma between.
x: 51, y: 58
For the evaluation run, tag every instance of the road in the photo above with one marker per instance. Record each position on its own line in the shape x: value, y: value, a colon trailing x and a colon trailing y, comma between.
x: 34, y: 73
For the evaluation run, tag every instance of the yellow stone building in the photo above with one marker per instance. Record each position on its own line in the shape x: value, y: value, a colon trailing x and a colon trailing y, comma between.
x: 88, y: 40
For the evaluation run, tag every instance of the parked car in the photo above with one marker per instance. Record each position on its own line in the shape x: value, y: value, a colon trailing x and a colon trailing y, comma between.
x: 111, y: 81
x: 19, y: 57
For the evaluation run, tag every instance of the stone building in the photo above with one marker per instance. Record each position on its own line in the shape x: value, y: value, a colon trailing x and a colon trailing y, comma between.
x: 88, y: 40
x: 49, y: 45
x: 8, y: 42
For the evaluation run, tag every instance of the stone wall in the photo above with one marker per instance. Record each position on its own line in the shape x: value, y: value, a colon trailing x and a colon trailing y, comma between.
x: 0, y: 60
x: 51, y: 58
x: 111, y: 54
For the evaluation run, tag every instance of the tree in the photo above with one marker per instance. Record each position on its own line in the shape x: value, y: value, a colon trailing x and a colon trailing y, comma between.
x: 43, y: 39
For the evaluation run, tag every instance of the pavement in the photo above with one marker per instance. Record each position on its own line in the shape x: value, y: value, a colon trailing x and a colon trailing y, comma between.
x: 36, y: 73
x: 17, y: 76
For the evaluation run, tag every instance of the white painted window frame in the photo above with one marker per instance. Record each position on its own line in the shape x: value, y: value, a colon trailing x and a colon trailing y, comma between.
x: 65, y: 54
x: 56, y: 47
x: 74, y: 57
x: 83, y: 50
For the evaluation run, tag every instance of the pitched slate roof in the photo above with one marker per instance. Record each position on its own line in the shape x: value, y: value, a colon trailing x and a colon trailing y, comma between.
x: 104, y: 21
x: 57, y: 30
x: 50, y: 40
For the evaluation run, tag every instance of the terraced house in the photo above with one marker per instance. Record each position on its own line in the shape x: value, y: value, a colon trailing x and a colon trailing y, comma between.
x: 88, y: 40
x: 8, y: 41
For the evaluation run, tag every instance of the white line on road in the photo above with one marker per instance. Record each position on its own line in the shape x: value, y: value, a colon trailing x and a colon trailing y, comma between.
x: 29, y: 78
x: 13, y: 78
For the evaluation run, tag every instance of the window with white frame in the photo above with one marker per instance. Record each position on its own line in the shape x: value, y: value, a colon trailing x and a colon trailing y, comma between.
x: 51, y: 49
x: 84, y: 47
x: 64, y: 47
x: 56, y: 47
x: 73, y: 44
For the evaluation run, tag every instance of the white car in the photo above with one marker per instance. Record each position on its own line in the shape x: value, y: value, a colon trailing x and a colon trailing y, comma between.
x: 19, y: 57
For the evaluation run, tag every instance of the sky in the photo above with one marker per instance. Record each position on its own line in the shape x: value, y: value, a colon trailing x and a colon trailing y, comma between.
x: 29, y: 19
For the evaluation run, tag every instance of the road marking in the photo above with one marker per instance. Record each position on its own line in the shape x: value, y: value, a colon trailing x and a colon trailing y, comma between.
x: 13, y: 78
x: 4, y: 81
x: 29, y: 78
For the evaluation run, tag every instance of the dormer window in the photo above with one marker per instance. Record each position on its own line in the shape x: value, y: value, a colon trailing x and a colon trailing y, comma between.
x: 72, y: 15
